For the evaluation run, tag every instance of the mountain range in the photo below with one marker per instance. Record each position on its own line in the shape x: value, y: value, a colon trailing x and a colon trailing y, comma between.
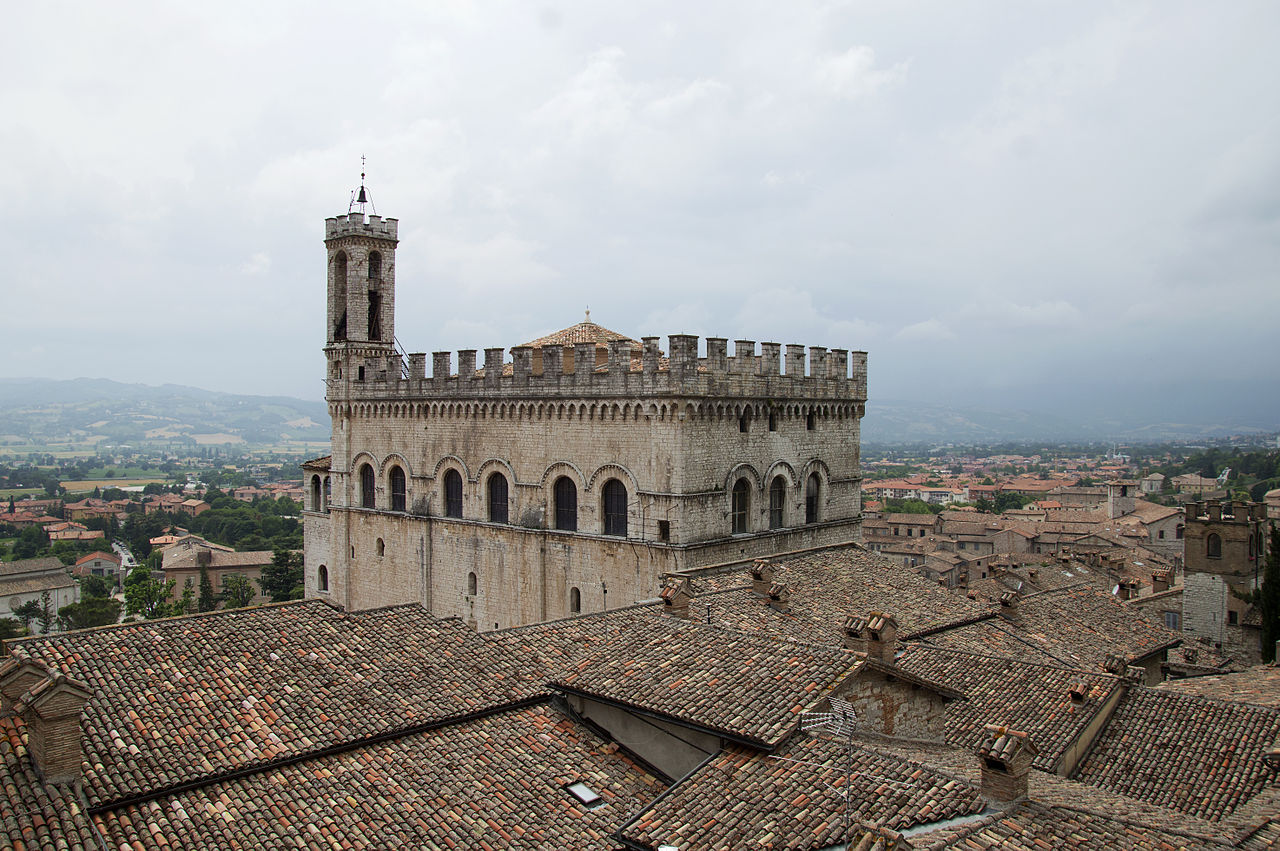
x: 87, y: 410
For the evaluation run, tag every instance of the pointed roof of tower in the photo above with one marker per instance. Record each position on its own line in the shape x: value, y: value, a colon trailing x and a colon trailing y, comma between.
x: 585, y: 331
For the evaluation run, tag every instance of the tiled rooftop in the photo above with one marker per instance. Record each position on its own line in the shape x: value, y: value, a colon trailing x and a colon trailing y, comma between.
x: 495, y: 782
x: 583, y: 332
x: 1032, y: 698
x: 744, y: 799
x: 33, y: 815
x: 829, y: 584
x: 743, y: 685
x: 1185, y: 752
x: 188, y: 698
x: 1259, y: 684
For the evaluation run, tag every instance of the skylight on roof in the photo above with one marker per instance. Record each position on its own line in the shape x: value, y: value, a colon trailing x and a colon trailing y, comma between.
x: 585, y: 794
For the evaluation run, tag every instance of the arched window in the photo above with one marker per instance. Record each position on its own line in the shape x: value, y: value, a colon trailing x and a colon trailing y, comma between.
x: 575, y: 601
x: 340, y: 295
x: 452, y: 494
x: 740, y: 506
x: 497, y: 498
x: 396, y: 482
x: 777, y: 502
x: 773, y: 421
x: 366, y: 487
x: 322, y: 578
x: 382, y: 548
x: 472, y: 584
x: 315, y: 494
x: 565, y: 493
x: 1213, y: 545
x: 375, y: 266
x: 810, y: 421
x: 744, y: 422
x: 328, y: 492
x: 614, y: 497
x: 812, y: 491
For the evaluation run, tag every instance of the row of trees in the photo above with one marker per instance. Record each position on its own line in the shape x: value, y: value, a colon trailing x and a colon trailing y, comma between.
x: 148, y: 596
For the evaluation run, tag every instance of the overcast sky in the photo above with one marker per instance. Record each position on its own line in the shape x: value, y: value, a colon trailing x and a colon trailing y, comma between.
x: 996, y: 201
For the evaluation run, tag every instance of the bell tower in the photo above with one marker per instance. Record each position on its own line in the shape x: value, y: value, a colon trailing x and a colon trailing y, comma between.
x: 360, y: 319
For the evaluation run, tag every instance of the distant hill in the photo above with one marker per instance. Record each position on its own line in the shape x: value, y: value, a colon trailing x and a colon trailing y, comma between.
x: 897, y: 422
x: 93, y: 410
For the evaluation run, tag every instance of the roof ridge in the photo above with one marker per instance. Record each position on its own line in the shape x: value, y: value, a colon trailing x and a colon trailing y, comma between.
x: 937, y: 649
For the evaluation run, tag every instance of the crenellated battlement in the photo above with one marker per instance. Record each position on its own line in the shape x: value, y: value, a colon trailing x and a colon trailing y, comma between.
x: 775, y: 372
x: 356, y: 224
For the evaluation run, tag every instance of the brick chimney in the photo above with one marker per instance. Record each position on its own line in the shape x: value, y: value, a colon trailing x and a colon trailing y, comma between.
x: 17, y: 676
x: 876, y: 635
x: 1159, y: 581
x: 51, y: 709
x: 762, y: 576
x: 1009, y: 607
x: 676, y: 597
x: 780, y: 597
x: 1006, y: 761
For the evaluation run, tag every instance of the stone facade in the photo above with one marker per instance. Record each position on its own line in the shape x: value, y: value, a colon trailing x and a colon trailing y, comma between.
x: 454, y: 488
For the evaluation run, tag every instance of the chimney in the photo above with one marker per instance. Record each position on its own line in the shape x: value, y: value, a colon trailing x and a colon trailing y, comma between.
x: 876, y: 635
x: 780, y: 597
x: 1078, y: 692
x: 762, y: 575
x: 51, y: 709
x: 204, y: 558
x: 1009, y: 608
x: 1006, y: 761
x: 676, y: 597
x: 1159, y: 581
x: 17, y: 677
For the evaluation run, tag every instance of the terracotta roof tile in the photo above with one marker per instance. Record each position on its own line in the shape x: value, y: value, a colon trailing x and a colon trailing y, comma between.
x: 493, y: 782
x: 1184, y: 752
x: 187, y: 698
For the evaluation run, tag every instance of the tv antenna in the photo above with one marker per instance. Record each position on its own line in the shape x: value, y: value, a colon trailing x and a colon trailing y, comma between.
x: 361, y: 198
x: 840, y: 725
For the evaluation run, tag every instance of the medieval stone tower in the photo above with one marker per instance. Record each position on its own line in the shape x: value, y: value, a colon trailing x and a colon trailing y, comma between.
x: 570, y: 474
x: 1223, y: 550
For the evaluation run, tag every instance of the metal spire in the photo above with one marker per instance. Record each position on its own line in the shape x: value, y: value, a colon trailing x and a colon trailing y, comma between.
x: 361, y: 197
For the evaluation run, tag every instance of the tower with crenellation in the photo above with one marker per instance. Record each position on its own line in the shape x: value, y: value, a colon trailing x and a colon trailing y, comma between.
x: 570, y: 473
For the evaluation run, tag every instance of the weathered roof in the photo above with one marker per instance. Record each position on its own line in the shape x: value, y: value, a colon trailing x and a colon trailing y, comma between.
x: 1185, y: 752
x: 31, y: 565
x: 744, y: 799
x: 493, y: 782
x: 747, y: 686
x: 219, y: 559
x: 188, y: 698
x: 829, y: 584
x: 1259, y: 684
x: 584, y: 332
x: 34, y: 814
x: 1035, y: 699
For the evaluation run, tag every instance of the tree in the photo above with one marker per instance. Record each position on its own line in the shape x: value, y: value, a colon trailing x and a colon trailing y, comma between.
x: 45, y: 616
x: 27, y: 612
x: 1267, y: 598
x: 237, y: 591
x: 146, y: 595
x: 186, y: 604
x: 95, y: 611
x: 92, y: 587
x: 1006, y: 500
x: 207, y: 602
x: 11, y: 628
x: 282, y: 579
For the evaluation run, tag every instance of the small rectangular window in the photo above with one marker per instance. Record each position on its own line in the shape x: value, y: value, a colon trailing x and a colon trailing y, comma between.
x: 773, y: 421
x: 664, y: 530
x: 1171, y: 620
x: 585, y: 794
x: 1233, y: 617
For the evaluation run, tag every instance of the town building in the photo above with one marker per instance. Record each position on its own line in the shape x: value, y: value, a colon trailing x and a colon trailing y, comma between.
x: 569, y: 474
x: 1225, y: 545
x: 29, y: 580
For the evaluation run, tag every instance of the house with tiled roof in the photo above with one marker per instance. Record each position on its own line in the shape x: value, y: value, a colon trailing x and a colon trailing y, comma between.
x: 29, y: 580
x: 106, y: 565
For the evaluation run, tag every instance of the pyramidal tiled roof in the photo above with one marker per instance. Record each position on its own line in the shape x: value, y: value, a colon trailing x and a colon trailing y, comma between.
x: 584, y: 332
